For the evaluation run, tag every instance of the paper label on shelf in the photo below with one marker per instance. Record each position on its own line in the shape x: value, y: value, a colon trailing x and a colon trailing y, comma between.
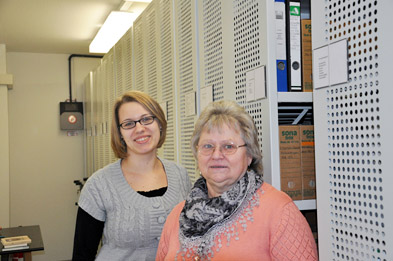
x: 255, y: 84
x: 206, y: 96
x: 330, y: 64
x: 190, y: 104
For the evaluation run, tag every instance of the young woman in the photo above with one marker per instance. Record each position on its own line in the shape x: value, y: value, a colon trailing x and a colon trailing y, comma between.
x: 127, y: 202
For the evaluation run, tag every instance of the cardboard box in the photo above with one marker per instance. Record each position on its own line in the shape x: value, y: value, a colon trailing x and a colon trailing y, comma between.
x: 290, y: 161
x: 306, y: 55
x: 308, y: 161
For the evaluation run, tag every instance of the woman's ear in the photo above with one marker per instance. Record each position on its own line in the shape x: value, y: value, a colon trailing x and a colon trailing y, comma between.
x: 249, y: 160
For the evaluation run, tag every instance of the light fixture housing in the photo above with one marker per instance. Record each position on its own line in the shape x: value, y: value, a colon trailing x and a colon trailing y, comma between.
x: 138, y: 1
x: 115, y: 26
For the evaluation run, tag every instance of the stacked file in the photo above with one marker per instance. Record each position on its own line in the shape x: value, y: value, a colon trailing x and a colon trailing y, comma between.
x: 15, y: 243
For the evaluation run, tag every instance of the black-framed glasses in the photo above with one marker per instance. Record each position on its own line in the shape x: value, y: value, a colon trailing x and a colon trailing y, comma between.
x: 230, y: 148
x: 147, y: 120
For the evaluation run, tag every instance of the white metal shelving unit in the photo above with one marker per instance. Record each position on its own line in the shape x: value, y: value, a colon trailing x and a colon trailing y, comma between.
x: 353, y: 126
x: 177, y: 48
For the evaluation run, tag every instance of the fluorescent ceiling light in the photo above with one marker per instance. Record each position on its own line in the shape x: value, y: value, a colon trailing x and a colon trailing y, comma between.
x: 115, y: 26
x: 140, y: 1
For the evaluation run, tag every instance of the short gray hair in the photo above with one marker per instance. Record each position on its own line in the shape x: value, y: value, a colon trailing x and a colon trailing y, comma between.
x: 220, y: 113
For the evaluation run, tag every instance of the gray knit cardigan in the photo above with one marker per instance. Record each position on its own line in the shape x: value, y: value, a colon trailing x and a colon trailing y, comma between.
x: 133, y: 223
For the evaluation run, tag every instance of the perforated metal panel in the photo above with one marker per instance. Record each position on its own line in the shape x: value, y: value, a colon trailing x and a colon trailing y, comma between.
x: 88, y: 110
x: 111, y: 90
x: 151, y: 49
x: 139, y: 57
x: 248, y: 53
x: 211, y: 27
x: 119, y: 70
x: 126, y: 58
x: 100, y: 148
x: 168, y: 90
x: 233, y: 41
x: 186, y: 79
x: 353, y: 129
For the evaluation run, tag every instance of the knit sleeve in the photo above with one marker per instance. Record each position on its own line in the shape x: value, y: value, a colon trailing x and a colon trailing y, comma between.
x: 91, y: 199
x: 293, y: 239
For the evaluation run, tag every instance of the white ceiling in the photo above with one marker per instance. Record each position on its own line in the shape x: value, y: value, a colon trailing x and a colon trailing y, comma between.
x: 54, y: 26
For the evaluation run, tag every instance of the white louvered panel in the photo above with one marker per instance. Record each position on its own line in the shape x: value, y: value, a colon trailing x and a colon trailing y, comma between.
x: 168, y: 91
x: 152, y: 51
x: 353, y: 129
x: 105, y: 116
x: 127, y: 60
x: 99, y: 111
x: 186, y: 55
x: 94, y: 96
x: 118, y: 67
x: 112, y: 96
x: 139, y: 51
x: 88, y: 112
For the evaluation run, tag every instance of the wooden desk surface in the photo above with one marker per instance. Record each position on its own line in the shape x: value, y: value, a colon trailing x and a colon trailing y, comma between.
x: 34, y: 232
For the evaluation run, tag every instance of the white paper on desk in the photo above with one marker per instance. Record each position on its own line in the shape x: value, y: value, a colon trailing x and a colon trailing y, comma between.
x: 190, y: 104
x: 206, y: 96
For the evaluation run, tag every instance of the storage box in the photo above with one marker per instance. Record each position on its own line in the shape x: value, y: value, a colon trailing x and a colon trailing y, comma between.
x: 290, y: 161
x: 308, y: 161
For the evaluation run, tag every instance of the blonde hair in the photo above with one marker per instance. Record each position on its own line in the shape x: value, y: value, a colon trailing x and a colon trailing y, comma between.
x: 229, y: 113
x: 118, y: 146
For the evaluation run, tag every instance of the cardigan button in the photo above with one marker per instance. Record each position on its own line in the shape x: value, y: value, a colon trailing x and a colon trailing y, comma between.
x: 156, y: 205
x: 161, y: 220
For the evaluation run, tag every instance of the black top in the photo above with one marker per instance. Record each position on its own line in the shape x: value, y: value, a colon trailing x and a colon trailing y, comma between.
x: 88, y: 230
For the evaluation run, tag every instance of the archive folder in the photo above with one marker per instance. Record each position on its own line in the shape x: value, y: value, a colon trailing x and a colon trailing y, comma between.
x: 295, y: 52
x: 281, y: 46
x: 306, y: 56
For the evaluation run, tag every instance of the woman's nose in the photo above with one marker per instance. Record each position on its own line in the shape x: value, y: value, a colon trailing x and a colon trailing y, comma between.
x: 139, y: 126
x: 217, y: 152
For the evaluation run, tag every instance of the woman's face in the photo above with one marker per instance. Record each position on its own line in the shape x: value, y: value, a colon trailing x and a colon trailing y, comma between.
x: 222, y: 171
x: 142, y: 139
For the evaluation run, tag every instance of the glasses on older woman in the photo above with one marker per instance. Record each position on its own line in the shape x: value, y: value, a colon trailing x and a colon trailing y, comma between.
x: 147, y: 120
x: 230, y: 148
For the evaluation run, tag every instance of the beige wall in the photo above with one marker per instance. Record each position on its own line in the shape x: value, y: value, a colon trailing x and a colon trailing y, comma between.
x: 44, y: 161
x: 4, y: 148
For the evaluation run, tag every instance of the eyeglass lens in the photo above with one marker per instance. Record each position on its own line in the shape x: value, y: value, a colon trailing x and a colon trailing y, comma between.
x: 226, y: 149
x: 131, y: 124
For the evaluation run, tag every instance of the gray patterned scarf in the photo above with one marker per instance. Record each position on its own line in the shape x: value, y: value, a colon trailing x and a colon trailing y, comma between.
x: 204, y: 218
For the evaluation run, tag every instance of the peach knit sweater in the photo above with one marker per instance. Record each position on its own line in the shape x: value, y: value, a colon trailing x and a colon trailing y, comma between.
x: 279, y: 232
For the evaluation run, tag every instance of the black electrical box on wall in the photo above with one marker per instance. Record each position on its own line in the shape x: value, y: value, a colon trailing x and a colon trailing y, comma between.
x: 71, y: 116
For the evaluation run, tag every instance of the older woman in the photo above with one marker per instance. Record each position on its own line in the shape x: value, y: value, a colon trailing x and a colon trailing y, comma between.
x: 128, y: 201
x: 231, y: 213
